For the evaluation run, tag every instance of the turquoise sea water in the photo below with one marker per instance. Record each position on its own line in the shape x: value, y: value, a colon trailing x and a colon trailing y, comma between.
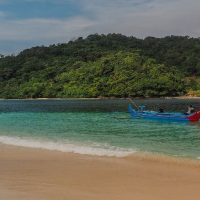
x: 97, y: 127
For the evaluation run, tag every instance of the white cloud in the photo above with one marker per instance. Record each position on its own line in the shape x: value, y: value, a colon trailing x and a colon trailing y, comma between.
x: 155, y: 17
x: 140, y: 18
x: 43, y: 29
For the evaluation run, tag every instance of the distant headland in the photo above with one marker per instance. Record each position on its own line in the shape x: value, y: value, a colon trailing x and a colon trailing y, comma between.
x: 110, y: 65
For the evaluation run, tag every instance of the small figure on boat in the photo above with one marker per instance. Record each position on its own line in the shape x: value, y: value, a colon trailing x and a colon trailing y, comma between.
x: 190, y: 110
x: 161, y: 110
x: 142, y: 108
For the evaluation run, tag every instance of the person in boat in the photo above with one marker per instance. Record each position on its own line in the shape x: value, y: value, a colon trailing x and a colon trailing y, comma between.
x: 161, y: 110
x: 142, y: 108
x: 190, y: 110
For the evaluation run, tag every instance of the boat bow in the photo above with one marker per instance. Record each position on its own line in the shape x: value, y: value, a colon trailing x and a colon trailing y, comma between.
x: 194, y: 117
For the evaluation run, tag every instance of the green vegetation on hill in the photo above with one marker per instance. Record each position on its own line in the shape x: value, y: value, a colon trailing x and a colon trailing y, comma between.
x: 104, y: 65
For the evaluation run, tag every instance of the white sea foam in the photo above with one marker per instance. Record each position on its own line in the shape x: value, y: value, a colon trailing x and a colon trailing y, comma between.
x: 99, y: 150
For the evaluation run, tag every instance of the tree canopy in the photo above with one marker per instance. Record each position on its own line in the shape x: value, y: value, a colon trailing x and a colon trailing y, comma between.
x: 110, y: 65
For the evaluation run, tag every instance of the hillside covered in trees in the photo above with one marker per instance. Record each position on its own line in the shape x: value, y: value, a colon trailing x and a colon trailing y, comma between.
x: 110, y: 65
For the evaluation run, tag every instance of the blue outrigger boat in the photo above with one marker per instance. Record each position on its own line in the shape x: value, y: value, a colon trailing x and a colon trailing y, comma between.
x: 170, y: 116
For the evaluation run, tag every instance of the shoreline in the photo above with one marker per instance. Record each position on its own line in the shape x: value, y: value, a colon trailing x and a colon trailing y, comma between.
x: 107, y: 98
x: 85, y: 150
x: 47, y: 175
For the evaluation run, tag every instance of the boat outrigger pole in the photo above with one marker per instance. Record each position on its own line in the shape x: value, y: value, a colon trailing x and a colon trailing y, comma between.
x: 133, y: 103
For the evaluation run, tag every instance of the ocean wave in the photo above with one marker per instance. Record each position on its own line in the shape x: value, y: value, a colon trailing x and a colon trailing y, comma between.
x: 70, y: 147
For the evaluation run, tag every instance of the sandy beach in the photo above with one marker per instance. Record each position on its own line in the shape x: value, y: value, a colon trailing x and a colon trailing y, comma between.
x: 27, y: 174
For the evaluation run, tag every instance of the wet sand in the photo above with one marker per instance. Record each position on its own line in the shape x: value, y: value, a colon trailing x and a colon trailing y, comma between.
x: 30, y: 174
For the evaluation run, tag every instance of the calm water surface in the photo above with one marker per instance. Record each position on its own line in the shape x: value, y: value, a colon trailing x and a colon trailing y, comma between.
x: 98, y: 127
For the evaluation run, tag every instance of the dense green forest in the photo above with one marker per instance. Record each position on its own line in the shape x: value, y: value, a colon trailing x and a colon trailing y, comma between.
x: 110, y: 65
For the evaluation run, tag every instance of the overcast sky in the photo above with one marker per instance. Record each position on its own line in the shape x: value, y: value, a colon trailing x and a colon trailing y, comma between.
x: 27, y: 23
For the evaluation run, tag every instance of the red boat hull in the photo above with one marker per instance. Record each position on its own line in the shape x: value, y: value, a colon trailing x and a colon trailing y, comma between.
x: 195, y: 117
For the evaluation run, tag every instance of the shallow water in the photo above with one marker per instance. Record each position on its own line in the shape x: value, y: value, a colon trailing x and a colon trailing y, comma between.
x: 98, y: 127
